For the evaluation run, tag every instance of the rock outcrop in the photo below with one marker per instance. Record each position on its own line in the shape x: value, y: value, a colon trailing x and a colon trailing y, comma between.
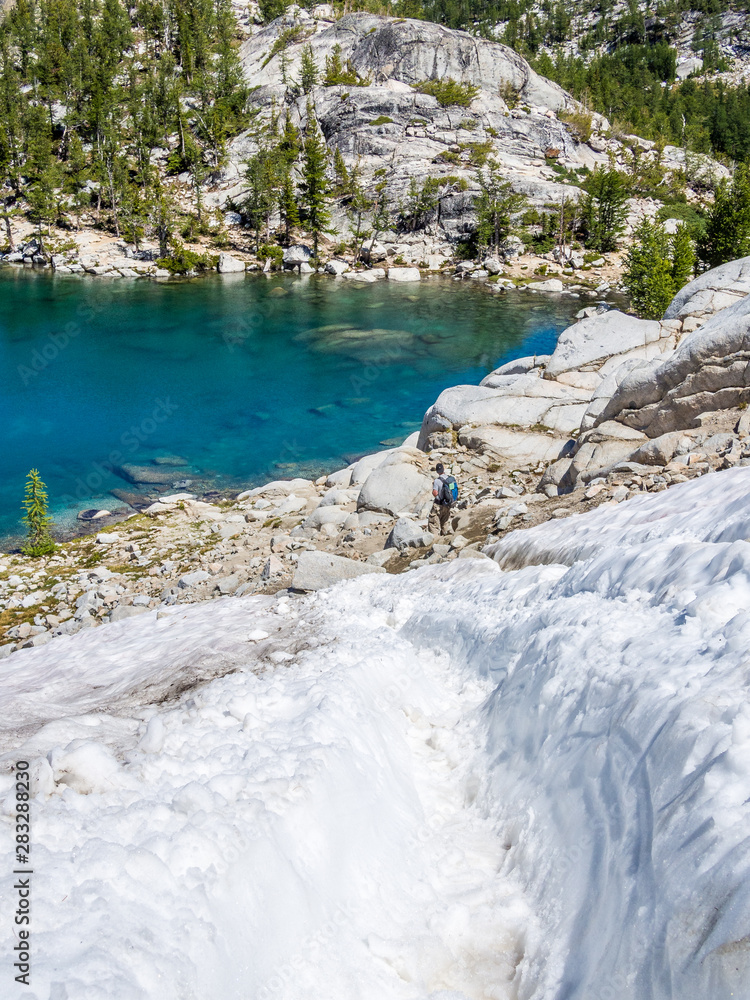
x: 710, y: 370
x: 616, y: 390
x: 382, y: 121
x: 381, y: 49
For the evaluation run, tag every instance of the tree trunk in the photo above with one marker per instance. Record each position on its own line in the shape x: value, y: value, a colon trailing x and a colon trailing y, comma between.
x: 113, y: 199
x: 8, y: 230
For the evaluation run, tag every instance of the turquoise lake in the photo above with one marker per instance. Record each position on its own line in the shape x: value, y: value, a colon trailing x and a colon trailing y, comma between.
x: 245, y: 377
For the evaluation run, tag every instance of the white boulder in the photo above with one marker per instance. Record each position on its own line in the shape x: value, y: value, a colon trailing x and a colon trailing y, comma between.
x: 336, y: 267
x: 368, y: 277
x: 229, y: 264
x: 406, y: 534
x: 393, y: 487
x: 404, y: 274
x: 317, y: 570
x: 709, y: 371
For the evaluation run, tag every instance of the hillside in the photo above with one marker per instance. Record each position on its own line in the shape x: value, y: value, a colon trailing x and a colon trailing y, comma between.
x: 140, y: 138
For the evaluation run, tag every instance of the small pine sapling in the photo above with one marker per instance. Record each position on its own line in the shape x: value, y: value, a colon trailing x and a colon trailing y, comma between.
x: 36, y: 517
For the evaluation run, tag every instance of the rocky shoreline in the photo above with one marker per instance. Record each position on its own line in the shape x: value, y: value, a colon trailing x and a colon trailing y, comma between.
x: 514, y: 268
x: 622, y: 407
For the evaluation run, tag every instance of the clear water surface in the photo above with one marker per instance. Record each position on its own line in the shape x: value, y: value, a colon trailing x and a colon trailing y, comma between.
x: 246, y: 378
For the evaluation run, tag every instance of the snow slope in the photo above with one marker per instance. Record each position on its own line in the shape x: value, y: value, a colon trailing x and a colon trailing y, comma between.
x: 459, y: 783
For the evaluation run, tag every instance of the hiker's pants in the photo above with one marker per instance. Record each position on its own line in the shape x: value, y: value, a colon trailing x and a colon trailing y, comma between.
x: 439, y: 520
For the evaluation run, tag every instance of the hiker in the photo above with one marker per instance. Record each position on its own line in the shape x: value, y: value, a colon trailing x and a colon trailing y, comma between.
x: 444, y: 495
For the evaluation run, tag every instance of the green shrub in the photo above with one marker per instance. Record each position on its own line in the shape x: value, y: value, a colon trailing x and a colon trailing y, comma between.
x: 509, y: 94
x: 448, y: 93
x: 690, y: 216
x: 339, y: 73
x: 447, y: 157
x: 465, y: 250
x: 289, y: 36
x: 382, y: 120
x: 219, y: 238
x: 478, y: 152
x: 182, y: 261
x: 578, y: 122
x: 268, y: 251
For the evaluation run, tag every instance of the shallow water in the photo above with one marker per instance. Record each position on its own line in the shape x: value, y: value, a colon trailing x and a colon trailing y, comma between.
x: 245, y: 377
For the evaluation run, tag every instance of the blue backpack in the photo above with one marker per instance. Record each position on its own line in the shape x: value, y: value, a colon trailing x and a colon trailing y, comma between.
x: 449, y: 492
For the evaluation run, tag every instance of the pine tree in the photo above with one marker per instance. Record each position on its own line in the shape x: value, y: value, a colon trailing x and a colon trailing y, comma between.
x: 603, y: 210
x: 308, y: 70
x: 683, y: 257
x: 359, y: 205
x: 289, y: 141
x: 36, y: 517
x: 264, y: 180
x: 43, y: 199
x: 336, y: 72
x: 163, y: 217
x: 288, y: 209
x: 656, y: 268
x: 727, y: 235
x: 77, y: 176
x: 343, y: 181
x: 496, y: 205
x: 271, y: 9
x: 314, y: 188
x: 334, y: 67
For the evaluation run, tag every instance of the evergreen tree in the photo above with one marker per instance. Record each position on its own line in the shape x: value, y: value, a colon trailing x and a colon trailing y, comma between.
x: 336, y: 72
x: 308, y: 70
x: 727, y: 234
x: 683, y: 257
x: 77, y: 177
x: 288, y: 209
x: 264, y: 180
x: 163, y: 216
x: 7, y: 213
x: 36, y: 517
x: 656, y: 267
x: 496, y: 205
x: 343, y: 181
x: 271, y: 9
x: 314, y: 188
x: 334, y: 67
x: 603, y: 210
x: 43, y: 199
x: 360, y: 204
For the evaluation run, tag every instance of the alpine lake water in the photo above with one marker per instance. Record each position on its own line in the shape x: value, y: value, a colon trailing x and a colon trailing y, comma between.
x: 225, y: 382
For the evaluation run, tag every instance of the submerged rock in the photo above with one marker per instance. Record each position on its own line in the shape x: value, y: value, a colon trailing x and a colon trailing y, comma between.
x: 145, y: 474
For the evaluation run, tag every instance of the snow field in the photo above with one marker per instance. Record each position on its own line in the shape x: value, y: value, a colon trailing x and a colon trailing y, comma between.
x: 457, y: 784
x: 280, y: 830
